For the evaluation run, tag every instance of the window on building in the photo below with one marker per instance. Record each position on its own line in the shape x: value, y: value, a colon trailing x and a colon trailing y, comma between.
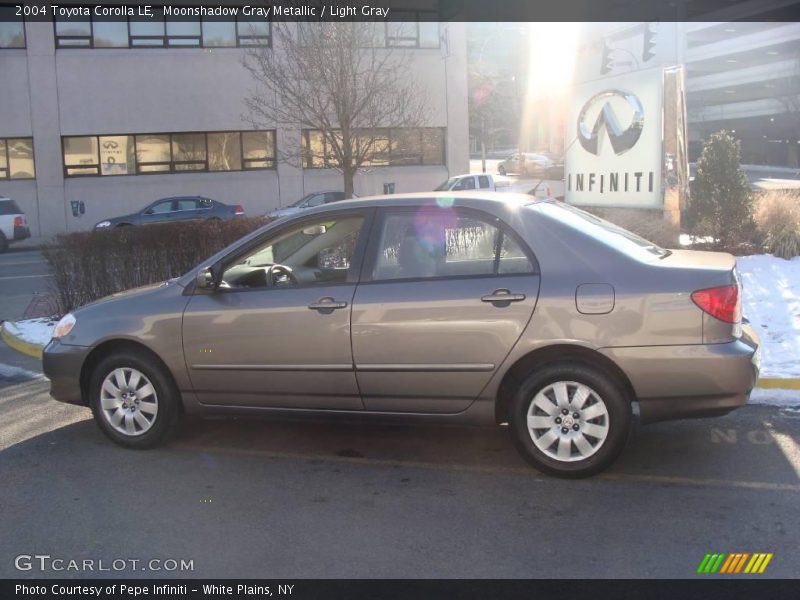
x: 110, y: 34
x: 189, y: 152
x: 225, y: 151
x: 117, y: 155
x: 219, y: 34
x: 253, y: 33
x: 153, y: 153
x: 183, y: 33
x: 16, y: 158
x: 95, y: 32
x: 147, y: 33
x: 413, y: 29
x: 394, y: 147
x: 74, y: 32
x: 167, y: 153
x: 12, y: 28
x: 81, y: 156
x: 258, y: 149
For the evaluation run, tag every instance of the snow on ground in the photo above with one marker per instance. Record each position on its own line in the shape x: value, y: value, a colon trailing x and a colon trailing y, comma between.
x: 34, y: 331
x: 12, y: 373
x: 775, y: 397
x: 772, y: 304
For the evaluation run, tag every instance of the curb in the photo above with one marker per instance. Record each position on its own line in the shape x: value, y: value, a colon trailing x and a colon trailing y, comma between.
x: 775, y: 383
x: 17, y: 343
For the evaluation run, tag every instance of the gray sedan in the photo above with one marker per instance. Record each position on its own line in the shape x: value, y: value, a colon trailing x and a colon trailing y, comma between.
x: 466, y: 307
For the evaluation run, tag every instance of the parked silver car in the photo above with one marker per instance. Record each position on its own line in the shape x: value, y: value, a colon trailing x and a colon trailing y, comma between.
x: 467, y: 307
x: 306, y: 202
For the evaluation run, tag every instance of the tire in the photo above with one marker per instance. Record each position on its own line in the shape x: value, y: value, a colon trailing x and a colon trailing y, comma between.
x: 501, y: 170
x: 150, y: 426
x: 604, y: 410
x: 3, y: 242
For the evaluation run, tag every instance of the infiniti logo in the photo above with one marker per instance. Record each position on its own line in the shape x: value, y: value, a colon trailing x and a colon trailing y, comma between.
x: 622, y: 139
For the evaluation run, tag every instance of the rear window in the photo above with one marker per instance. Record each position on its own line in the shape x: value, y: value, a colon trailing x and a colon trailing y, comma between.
x: 605, y: 231
x: 9, y: 207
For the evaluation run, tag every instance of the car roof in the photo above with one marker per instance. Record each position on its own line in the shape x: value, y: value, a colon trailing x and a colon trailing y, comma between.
x: 489, y: 201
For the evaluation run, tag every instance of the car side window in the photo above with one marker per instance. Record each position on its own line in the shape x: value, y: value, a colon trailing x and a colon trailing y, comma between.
x: 483, y: 181
x: 187, y: 204
x: 468, y: 183
x: 428, y: 243
x: 205, y: 203
x: 161, y: 208
x: 315, y: 252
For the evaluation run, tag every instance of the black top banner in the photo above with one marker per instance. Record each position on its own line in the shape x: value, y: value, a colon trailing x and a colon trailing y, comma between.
x: 407, y: 10
x: 405, y: 589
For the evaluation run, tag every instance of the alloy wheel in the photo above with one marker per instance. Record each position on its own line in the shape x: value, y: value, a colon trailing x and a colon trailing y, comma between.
x: 128, y: 401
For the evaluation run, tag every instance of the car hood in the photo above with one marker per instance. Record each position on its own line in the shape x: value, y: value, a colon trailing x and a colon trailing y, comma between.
x: 135, y: 294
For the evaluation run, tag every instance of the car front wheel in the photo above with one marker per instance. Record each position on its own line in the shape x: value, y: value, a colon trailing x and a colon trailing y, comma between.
x: 134, y: 400
x: 570, y: 420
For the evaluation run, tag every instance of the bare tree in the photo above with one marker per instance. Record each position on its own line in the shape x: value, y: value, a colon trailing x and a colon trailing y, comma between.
x: 333, y: 79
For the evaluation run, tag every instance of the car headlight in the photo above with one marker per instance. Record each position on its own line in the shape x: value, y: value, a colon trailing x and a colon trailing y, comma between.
x: 102, y: 224
x: 64, y: 326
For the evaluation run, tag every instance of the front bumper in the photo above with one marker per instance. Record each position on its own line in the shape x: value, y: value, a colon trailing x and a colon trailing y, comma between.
x: 703, y: 380
x: 62, y: 365
x: 22, y: 232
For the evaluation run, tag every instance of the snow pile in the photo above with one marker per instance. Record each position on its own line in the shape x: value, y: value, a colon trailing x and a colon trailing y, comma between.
x: 34, y: 331
x: 772, y: 304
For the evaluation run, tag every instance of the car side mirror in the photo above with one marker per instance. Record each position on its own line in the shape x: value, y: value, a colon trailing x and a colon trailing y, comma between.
x: 205, y: 279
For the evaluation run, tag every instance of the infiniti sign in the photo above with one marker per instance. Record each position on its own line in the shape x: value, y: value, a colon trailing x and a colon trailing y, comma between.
x: 622, y: 138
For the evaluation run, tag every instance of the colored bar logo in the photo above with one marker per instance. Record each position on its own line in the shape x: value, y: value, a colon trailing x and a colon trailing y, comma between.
x: 734, y: 563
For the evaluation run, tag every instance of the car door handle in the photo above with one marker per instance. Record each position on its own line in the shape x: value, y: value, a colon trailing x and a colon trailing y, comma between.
x: 502, y: 295
x: 327, y: 303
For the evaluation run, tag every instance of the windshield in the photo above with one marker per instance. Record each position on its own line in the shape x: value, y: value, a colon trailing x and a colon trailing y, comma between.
x: 608, y: 232
x: 300, y: 202
x: 446, y: 185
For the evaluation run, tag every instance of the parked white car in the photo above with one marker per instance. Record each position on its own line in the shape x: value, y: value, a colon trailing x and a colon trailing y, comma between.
x: 13, y: 223
x: 480, y: 181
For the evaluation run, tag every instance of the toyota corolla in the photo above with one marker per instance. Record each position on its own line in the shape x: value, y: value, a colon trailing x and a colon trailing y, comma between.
x: 478, y: 308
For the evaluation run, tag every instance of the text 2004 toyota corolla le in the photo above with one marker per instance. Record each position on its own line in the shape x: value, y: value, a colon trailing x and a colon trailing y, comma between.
x: 477, y: 308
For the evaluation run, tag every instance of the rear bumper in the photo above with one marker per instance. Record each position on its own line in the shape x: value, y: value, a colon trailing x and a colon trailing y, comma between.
x: 703, y: 380
x: 62, y: 365
x: 22, y: 232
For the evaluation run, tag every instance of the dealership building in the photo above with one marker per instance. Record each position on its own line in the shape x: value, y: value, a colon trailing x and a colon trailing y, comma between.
x: 116, y: 114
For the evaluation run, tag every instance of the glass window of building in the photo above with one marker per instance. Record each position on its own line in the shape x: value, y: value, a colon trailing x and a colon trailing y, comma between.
x: 217, y: 34
x: 117, y: 155
x: 3, y: 159
x: 258, y: 149
x: 253, y: 33
x: 81, y: 156
x: 225, y: 151
x: 74, y: 32
x: 406, y: 147
x: 402, y: 34
x: 20, y: 158
x: 428, y: 34
x: 12, y: 28
x: 153, y: 154
x: 147, y: 33
x: 432, y: 146
x: 110, y: 34
x: 183, y: 33
x: 189, y: 151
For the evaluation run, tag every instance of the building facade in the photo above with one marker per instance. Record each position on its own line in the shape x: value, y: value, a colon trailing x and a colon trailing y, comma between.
x: 116, y: 114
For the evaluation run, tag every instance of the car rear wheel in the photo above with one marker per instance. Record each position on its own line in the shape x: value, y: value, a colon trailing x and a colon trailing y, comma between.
x: 570, y: 420
x: 134, y: 400
x: 3, y: 242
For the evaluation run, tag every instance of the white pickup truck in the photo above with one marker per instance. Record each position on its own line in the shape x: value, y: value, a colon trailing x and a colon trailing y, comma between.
x: 479, y: 181
x: 13, y: 224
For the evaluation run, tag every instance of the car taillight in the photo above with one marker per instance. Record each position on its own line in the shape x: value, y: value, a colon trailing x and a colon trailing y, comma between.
x: 18, y: 222
x: 723, y: 303
x: 238, y: 209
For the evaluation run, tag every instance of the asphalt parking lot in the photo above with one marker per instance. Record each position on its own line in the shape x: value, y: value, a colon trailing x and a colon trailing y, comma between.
x: 289, y: 499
